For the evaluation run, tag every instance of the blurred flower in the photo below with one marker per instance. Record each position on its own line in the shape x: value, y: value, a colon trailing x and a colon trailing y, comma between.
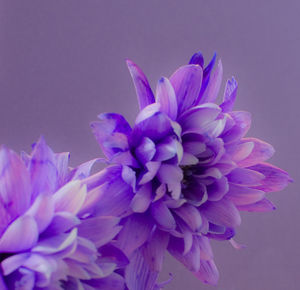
x: 181, y: 175
x: 48, y: 237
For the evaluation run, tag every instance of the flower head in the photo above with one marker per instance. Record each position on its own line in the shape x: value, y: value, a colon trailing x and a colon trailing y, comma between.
x: 183, y: 172
x: 48, y: 238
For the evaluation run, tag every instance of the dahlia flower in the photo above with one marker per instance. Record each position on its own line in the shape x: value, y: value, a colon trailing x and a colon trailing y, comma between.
x: 49, y: 238
x: 182, y: 173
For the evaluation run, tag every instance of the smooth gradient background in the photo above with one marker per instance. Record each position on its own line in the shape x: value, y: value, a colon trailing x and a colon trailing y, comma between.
x: 63, y: 61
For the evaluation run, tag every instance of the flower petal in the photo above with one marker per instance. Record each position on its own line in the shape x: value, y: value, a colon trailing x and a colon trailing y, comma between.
x: 222, y: 212
x: 142, y: 198
x: 135, y: 233
x: 166, y: 97
x: 262, y: 151
x: 190, y: 215
x: 229, y: 95
x: 208, y: 272
x: 245, y: 176
x: 20, y: 235
x: 15, y: 190
x: 142, y: 87
x: 186, y: 82
x: 145, y: 151
x: 276, y: 179
x: 263, y: 205
x: 12, y: 263
x: 241, y: 195
x: 163, y: 215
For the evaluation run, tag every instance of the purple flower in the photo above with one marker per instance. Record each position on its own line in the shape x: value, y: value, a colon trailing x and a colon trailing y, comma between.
x: 182, y: 173
x: 49, y: 238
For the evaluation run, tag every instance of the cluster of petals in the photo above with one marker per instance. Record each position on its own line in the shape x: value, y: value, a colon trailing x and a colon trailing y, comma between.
x: 182, y: 173
x: 49, y: 235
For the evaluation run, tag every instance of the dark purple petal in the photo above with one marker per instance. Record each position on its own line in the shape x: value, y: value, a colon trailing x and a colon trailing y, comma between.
x: 222, y: 212
x: 142, y: 87
x: 276, y: 179
x: 220, y: 233
x: 20, y: 235
x: 197, y: 58
x: 166, y: 97
x: 186, y: 82
x: 135, y: 233
x: 112, y: 282
x: 15, y: 190
x: 263, y: 205
x: 229, y: 95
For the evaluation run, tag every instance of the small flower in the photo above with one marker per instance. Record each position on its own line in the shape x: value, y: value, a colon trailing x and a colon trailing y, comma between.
x: 182, y: 173
x: 48, y: 237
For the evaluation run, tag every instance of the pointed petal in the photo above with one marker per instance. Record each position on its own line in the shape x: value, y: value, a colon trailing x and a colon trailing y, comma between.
x: 44, y: 174
x: 167, y: 149
x: 263, y: 205
x: 242, y: 195
x: 214, y: 85
x: 42, y: 211
x: 142, y: 198
x: 276, y: 179
x: 12, y: 263
x: 208, y: 272
x: 229, y: 95
x: 142, y: 87
x: 83, y: 170
x: 190, y: 215
x: 222, y: 212
x: 166, y: 97
x: 197, y: 58
x: 135, y: 233
x: 112, y: 282
x: 70, y: 197
x: 245, y: 176
x: 99, y: 230
x: 262, y: 151
x: 145, y: 151
x: 62, y: 165
x: 15, y: 190
x: 163, y: 215
x: 152, y: 167
x: 217, y: 189
x: 111, y: 133
x: 20, y: 235
x: 186, y: 82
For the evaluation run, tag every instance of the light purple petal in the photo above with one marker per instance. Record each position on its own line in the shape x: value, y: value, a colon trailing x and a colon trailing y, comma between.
x: 70, y: 197
x: 20, y: 235
x: 221, y: 212
x: 13, y: 262
x: 263, y: 205
x: 163, y: 215
x: 166, y: 97
x: 262, y: 151
x: 229, y: 95
x: 242, y: 195
x: 43, y: 171
x: 42, y: 211
x: 218, y: 189
x: 208, y: 272
x: 245, y: 176
x: 142, y: 87
x: 145, y: 151
x: 15, y: 190
x: 112, y: 282
x: 135, y: 233
x: 186, y: 82
x: 83, y: 170
x: 62, y: 165
x: 167, y: 149
x: 190, y: 215
x: 152, y: 167
x: 206, y: 252
x: 214, y: 85
x: 142, y: 198
x: 276, y: 179
x: 99, y: 230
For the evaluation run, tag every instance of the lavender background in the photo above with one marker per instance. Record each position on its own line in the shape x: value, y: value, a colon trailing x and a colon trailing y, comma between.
x: 62, y: 63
